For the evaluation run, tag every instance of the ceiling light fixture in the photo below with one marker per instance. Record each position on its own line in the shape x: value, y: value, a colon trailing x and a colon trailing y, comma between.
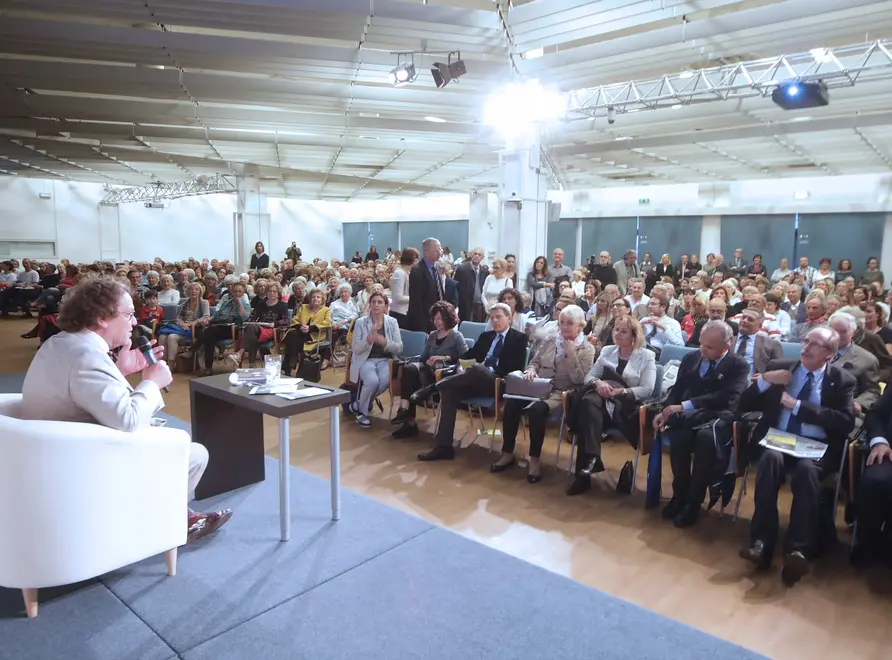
x: 821, y: 55
x: 436, y: 120
x: 795, y: 95
x: 517, y: 108
x: 404, y: 72
x: 677, y: 106
x: 443, y: 74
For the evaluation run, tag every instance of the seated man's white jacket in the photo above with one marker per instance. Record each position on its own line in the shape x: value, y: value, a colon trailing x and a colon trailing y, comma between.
x: 73, y: 379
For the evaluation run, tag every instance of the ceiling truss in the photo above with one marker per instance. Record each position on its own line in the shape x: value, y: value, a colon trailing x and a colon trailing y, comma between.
x: 838, y: 67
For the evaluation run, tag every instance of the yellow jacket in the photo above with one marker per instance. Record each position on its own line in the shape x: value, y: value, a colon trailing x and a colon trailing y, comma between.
x: 319, y: 324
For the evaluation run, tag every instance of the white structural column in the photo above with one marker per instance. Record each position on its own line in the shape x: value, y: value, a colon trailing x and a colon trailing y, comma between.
x: 251, y: 221
x: 523, y: 207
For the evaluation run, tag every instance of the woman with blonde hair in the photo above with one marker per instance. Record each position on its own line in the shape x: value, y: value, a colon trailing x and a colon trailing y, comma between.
x: 623, y: 377
x: 309, y: 327
x: 495, y: 282
x: 194, y: 310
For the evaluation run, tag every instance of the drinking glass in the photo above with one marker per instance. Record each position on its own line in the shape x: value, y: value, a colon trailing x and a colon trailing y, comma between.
x: 273, y: 366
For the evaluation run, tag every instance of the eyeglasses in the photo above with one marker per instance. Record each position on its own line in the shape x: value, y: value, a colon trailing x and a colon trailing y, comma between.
x: 129, y: 315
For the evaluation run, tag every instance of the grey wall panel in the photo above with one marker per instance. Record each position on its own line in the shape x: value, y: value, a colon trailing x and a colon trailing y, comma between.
x: 452, y: 233
x: 771, y: 236
x: 855, y: 236
x: 356, y: 237
x: 562, y: 235
x: 384, y: 235
x: 616, y: 235
x: 669, y: 235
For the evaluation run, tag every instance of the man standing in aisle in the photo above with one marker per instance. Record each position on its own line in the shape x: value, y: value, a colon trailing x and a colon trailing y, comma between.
x: 470, y: 277
x: 559, y: 271
x: 91, y: 359
x: 426, y: 286
x: 626, y: 270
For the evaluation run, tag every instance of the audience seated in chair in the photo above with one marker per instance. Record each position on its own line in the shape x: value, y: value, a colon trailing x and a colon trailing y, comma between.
x: 268, y: 316
x: 443, y: 348
x: 192, y: 312
x: 623, y: 377
x: 376, y: 340
x: 705, y: 393
x: 230, y: 315
x: 309, y: 328
x: 859, y: 364
x: 498, y: 352
x: 564, y: 357
x: 873, y: 496
x: 812, y: 398
x: 753, y: 345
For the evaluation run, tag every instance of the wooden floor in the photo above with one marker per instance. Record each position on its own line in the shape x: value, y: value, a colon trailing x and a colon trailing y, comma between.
x: 602, y: 539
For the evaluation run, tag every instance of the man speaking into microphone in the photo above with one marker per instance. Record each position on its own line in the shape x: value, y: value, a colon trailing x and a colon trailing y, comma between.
x: 79, y: 375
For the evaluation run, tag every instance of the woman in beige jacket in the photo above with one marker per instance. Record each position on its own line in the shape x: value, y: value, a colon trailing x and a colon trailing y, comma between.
x: 565, y: 357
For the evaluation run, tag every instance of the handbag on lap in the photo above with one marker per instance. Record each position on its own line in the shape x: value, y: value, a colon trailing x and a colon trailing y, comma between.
x: 517, y: 385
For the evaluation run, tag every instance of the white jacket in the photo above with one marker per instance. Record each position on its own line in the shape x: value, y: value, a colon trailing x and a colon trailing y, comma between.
x: 361, y: 348
x: 73, y: 379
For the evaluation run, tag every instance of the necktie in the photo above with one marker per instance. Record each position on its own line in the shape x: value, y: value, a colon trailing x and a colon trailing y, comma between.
x: 794, y: 425
x: 493, y: 360
x: 709, y: 369
x: 741, y: 350
x: 436, y: 277
x: 835, y: 358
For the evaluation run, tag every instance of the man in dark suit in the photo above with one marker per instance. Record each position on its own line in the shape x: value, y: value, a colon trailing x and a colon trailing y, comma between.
x: 873, y: 498
x: 498, y: 352
x: 708, y: 386
x: 757, y: 348
x: 426, y: 287
x: 683, y: 269
x: 738, y: 265
x: 860, y: 364
x: 719, y: 266
x: 603, y: 271
x: 811, y: 398
x: 470, y: 277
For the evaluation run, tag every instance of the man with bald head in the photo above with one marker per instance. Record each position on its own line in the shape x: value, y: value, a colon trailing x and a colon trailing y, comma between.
x: 709, y: 384
x: 813, y: 398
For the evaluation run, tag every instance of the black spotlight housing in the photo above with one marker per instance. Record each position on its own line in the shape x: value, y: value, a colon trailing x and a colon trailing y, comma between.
x: 443, y: 74
x: 794, y: 95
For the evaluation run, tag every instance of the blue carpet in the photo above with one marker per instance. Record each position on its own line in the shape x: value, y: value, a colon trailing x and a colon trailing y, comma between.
x: 441, y: 596
x: 379, y: 584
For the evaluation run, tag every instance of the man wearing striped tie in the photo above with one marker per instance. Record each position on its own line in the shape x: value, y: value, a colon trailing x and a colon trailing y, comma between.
x: 813, y: 398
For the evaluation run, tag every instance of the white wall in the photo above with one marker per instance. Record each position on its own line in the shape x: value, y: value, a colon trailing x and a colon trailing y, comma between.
x: 199, y: 226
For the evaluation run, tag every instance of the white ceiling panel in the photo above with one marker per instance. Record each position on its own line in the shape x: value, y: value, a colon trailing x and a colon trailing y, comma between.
x: 130, y: 92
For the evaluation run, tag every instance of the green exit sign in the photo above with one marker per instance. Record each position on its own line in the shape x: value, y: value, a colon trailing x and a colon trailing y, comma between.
x: 644, y: 200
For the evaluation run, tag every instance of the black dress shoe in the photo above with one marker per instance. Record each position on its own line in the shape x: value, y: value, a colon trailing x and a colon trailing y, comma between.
x: 687, y: 516
x: 495, y: 468
x: 592, y: 465
x: 672, y: 509
x: 534, y: 478
x: 756, y: 554
x: 795, y: 568
x: 579, y: 486
x: 406, y: 430
x: 438, y: 454
x: 402, y: 415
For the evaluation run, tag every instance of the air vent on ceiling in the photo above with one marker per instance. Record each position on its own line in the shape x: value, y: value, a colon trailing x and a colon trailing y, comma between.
x: 800, y: 166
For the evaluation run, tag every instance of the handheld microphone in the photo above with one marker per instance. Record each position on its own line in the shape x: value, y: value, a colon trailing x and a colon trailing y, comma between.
x: 142, y: 343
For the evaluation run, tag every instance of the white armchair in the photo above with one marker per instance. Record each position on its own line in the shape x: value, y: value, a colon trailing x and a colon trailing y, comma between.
x: 80, y: 500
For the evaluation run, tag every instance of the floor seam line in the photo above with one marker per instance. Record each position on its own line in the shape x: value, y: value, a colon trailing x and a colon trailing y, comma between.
x: 313, y: 588
x: 132, y: 611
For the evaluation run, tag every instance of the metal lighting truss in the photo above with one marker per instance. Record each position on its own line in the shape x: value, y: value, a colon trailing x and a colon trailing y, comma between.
x: 836, y: 67
x: 153, y: 192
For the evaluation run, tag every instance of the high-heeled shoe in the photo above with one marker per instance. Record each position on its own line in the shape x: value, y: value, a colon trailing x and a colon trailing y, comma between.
x: 495, y: 468
x: 534, y: 478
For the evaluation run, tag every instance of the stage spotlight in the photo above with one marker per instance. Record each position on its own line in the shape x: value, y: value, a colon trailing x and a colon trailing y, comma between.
x: 403, y: 74
x: 443, y: 74
x: 799, y: 95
